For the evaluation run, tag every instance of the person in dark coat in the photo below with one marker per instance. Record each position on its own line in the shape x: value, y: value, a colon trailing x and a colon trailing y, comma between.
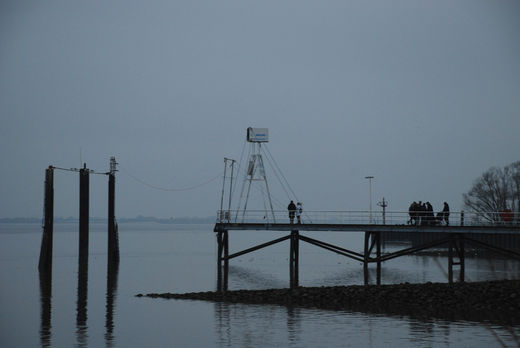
x: 446, y: 213
x: 412, y: 211
x: 292, y: 211
x: 430, y: 217
x: 420, y: 213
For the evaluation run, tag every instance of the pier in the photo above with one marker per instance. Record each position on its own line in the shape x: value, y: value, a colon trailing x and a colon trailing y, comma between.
x: 464, y: 230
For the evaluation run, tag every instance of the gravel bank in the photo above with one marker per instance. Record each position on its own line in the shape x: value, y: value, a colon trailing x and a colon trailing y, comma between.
x: 492, y: 301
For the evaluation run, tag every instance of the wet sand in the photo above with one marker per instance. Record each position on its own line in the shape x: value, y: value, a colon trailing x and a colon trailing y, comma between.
x: 490, y: 301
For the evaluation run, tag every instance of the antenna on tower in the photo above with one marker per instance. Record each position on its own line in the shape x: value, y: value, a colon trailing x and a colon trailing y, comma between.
x: 113, y: 165
x: 383, y: 204
x: 225, y: 215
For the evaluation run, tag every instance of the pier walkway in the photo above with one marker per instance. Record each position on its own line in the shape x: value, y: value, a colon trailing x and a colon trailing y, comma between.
x: 453, y: 236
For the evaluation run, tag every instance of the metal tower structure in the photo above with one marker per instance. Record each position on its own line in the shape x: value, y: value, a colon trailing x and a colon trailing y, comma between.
x: 256, y: 172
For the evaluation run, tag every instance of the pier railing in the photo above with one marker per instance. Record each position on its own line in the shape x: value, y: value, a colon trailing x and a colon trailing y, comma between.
x: 455, y: 218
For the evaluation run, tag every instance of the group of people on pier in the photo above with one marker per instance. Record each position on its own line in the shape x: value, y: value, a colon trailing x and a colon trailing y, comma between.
x: 295, y: 210
x: 422, y: 214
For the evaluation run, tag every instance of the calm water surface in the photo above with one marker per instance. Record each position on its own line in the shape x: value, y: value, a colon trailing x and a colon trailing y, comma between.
x: 99, y: 308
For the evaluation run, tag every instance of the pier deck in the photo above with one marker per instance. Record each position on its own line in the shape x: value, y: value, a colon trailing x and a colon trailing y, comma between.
x: 455, y: 236
x: 252, y: 226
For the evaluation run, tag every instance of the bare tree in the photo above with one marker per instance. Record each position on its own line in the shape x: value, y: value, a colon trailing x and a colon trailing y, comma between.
x: 496, y: 191
x: 513, y: 173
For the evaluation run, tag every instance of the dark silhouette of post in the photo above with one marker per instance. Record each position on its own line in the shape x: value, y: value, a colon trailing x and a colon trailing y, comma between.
x: 83, y: 211
x: 46, y: 306
x: 366, y: 258
x: 112, y: 275
x: 45, y: 262
x: 113, y: 240
x: 81, y: 304
x: 294, y: 259
x: 462, y: 258
x: 222, y: 260
x: 377, y: 235
x: 81, y: 317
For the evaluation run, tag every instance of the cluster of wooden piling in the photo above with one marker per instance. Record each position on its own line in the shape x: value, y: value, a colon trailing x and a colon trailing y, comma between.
x: 45, y: 262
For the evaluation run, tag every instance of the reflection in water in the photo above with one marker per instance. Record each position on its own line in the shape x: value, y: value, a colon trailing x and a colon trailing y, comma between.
x: 112, y: 273
x: 294, y: 323
x: 242, y: 325
x: 422, y: 330
x: 248, y: 325
x: 81, y: 317
x: 222, y: 313
x: 46, y: 306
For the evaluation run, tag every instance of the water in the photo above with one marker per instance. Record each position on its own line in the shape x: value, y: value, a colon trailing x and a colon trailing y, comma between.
x: 102, y: 310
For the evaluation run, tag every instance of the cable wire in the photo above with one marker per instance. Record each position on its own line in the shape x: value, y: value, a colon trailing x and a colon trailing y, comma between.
x: 171, y: 189
x: 283, y: 176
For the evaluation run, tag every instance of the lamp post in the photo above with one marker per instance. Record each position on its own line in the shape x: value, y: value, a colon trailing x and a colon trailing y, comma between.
x: 370, y: 193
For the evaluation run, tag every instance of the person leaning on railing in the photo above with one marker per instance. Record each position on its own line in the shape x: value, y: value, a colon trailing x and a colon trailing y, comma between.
x: 446, y: 213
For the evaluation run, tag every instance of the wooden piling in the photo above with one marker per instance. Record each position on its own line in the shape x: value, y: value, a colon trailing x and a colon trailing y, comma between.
x: 113, y: 242
x: 112, y: 277
x: 83, y: 211
x: 81, y: 303
x: 46, y: 306
x: 45, y: 262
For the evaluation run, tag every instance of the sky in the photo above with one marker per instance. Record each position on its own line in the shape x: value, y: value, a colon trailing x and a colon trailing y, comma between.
x: 422, y: 95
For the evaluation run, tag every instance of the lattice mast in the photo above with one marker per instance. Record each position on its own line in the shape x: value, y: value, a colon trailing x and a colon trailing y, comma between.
x: 256, y: 170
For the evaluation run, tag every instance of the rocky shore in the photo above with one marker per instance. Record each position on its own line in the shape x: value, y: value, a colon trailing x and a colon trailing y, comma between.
x: 490, y: 301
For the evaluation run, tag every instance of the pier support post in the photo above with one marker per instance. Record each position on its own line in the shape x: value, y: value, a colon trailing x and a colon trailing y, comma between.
x: 219, y: 261
x: 83, y: 212
x: 226, y: 260
x: 294, y: 259
x: 450, y: 260
x: 222, y: 260
x: 457, y: 243
x: 45, y: 262
x: 377, y: 235
x: 372, y: 239
x: 366, y: 256
x: 461, y: 258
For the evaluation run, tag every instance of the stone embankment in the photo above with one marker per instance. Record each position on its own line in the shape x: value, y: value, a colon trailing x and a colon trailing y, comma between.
x: 493, y: 301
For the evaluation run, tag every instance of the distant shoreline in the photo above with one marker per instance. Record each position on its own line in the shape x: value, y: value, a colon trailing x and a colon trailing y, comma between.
x: 488, y: 301
x: 61, y: 220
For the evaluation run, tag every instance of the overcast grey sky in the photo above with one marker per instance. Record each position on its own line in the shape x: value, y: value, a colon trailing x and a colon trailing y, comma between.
x: 423, y: 95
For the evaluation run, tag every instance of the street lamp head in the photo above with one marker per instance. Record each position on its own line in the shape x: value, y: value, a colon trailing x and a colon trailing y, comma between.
x: 369, y: 177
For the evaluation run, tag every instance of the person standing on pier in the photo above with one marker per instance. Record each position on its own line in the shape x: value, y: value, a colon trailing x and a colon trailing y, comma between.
x: 292, y: 210
x: 299, y: 211
x: 446, y: 213
x: 420, y: 213
x: 429, y: 214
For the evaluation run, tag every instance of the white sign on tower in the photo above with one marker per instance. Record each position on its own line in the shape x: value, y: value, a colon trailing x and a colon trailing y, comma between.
x: 257, y: 135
